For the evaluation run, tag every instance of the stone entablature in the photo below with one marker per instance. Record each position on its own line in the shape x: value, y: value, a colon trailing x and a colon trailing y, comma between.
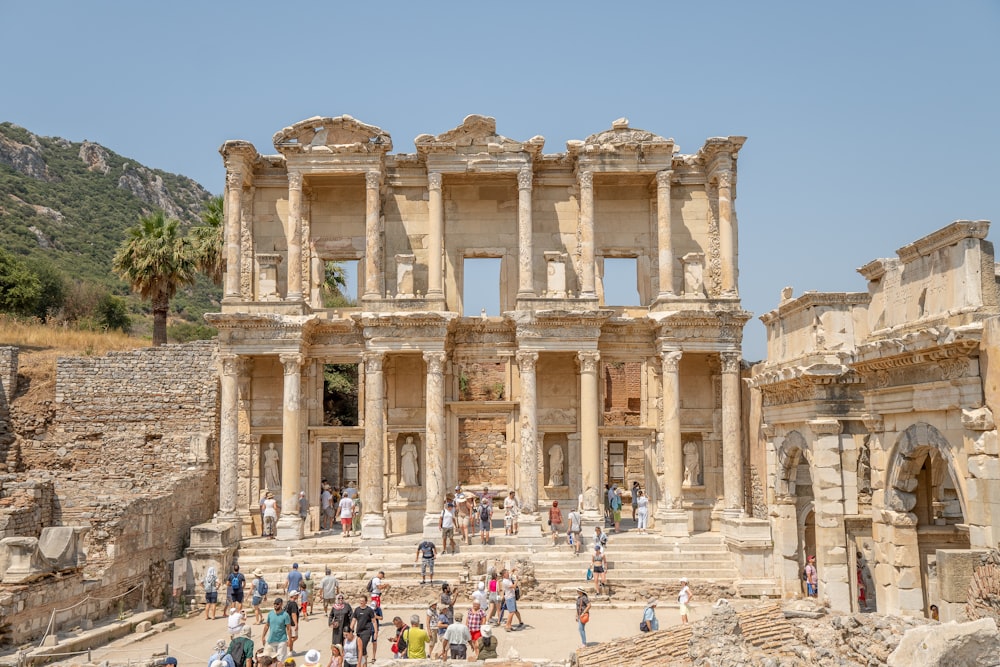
x: 815, y: 327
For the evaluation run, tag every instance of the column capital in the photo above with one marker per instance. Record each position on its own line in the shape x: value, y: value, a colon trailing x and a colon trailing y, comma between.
x: 294, y: 180
x: 234, y: 179
x: 524, y: 178
x: 825, y: 426
x: 730, y: 361
x: 292, y: 363
x: 664, y: 179
x: 434, y: 180
x: 725, y: 178
x: 373, y: 361
x: 435, y: 361
x: 526, y: 360
x: 874, y: 423
x: 373, y: 179
x: 588, y: 360
x: 586, y: 179
x: 671, y: 360
x: 229, y: 364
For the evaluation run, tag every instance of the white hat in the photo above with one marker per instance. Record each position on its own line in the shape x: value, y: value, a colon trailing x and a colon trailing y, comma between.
x: 684, y: 580
x: 481, y: 586
x: 312, y: 657
x: 486, y: 631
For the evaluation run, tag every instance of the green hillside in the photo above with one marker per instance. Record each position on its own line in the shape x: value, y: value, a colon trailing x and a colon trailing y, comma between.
x: 70, y: 203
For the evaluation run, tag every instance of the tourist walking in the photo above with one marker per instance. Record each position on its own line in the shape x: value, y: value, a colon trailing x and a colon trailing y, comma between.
x: 600, y: 538
x: 509, y: 584
x: 811, y: 577
x: 339, y: 618
x: 356, y: 518
x: 352, y: 648
x: 575, y: 531
x: 210, y: 582
x: 511, y: 512
x: 582, y: 613
x: 616, y: 509
x: 649, y: 622
x: 365, y: 627
x: 401, y: 627
x: 599, y: 565
x: 426, y: 553
x: 457, y: 639
x: 258, y: 595
x: 346, y: 512
x: 275, y: 633
x: 555, y: 522
x: 236, y: 582
x: 431, y: 625
x: 326, y: 509
x: 634, y: 498
x: 292, y: 580
x: 329, y: 587
x: 241, y: 648
x: 416, y: 639
x: 485, y: 513
x: 475, y: 619
x: 269, y: 512
x: 293, y: 610
x: 684, y: 599
x: 446, y: 522
x: 493, y: 596
x: 464, y: 511
x: 642, y: 511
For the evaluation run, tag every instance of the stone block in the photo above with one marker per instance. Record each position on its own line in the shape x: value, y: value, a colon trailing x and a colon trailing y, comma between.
x: 911, y: 600
x: 215, y: 535
x: 61, y: 547
x: 25, y: 562
x: 984, y: 467
x: 986, y: 442
x: 972, y: 643
x: 955, y: 568
x: 144, y: 626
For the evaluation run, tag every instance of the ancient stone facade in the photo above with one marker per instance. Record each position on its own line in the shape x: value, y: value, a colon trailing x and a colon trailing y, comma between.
x: 561, y: 394
x: 876, y: 426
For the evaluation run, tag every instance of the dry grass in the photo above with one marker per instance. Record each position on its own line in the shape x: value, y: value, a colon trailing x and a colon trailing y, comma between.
x: 35, y: 336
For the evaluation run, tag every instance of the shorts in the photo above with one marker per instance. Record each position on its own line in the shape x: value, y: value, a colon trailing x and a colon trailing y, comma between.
x: 494, y: 597
x: 510, y: 604
x: 293, y: 632
x: 476, y: 634
x: 556, y: 527
x: 448, y: 533
x: 618, y: 516
x: 346, y: 523
x: 484, y: 525
x: 598, y: 569
x: 328, y: 511
x: 426, y: 563
x: 212, y: 598
x: 683, y: 608
x: 236, y: 595
x: 457, y: 651
x: 256, y: 600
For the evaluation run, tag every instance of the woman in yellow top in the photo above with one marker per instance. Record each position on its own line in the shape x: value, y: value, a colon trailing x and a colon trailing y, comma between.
x: 416, y: 639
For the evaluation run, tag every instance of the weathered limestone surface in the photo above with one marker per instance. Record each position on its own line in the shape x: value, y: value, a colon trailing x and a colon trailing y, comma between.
x: 972, y: 643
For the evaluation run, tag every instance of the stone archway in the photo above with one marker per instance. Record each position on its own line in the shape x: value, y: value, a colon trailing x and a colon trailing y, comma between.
x: 912, y: 525
x: 792, y: 504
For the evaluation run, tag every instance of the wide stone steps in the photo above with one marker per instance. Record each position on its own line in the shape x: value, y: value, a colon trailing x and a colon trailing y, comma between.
x: 633, y: 559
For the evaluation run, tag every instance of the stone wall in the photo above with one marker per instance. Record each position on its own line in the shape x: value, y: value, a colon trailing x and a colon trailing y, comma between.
x: 8, y: 375
x: 25, y: 506
x: 483, y: 452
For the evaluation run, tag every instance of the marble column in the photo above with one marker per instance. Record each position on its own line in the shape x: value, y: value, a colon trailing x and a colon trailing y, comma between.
x: 732, y: 441
x: 590, y: 444
x: 672, y: 520
x: 525, y: 229
x: 234, y: 211
x: 528, y: 492
x: 373, y: 236
x: 372, y: 455
x: 435, y: 460
x: 727, y: 234
x: 587, y: 265
x: 289, y: 523
x: 435, y: 238
x: 664, y: 229
x: 293, y: 234
x: 228, y: 434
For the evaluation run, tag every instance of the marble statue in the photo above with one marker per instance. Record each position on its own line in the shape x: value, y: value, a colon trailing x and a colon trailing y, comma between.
x: 409, y: 468
x: 692, y: 465
x: 272, y: 471
x: 555, y: 465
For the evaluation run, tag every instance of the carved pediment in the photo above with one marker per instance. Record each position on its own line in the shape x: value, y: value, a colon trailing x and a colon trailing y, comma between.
x: 622, y: 136
x: 342, y: 134
x: 476, y: 132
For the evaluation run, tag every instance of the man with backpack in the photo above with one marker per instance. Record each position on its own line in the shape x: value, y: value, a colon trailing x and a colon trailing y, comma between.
x: 428, y: 552
x: 241, y: 648
x: 259, y: 594
x: 236, y: 582
x: 485, y: 513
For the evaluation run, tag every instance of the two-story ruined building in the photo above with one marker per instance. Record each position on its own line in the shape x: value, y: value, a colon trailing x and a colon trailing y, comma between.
x: 561, y: 394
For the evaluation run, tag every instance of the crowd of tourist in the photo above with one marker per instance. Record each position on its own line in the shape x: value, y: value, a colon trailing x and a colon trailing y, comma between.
x: 442, y: 632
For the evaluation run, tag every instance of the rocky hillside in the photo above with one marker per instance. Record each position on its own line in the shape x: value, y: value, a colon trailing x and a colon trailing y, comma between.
x: 71, y: 202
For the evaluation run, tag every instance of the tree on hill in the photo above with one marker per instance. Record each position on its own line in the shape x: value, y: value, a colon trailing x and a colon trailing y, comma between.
x: 208, y: 242
x: 20, y: 288
x: 156, y: 260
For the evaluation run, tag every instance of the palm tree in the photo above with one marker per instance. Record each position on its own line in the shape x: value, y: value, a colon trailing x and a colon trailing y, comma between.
x: 208, y: 242
x: 156, y: 260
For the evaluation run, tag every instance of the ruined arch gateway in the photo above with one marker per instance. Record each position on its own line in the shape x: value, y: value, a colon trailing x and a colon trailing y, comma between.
x: 562, y: 377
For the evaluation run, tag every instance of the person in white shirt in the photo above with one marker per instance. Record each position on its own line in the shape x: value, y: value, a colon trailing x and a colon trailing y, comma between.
x: 326, y: 510
x: 480, y: 595
x: 447, y: 525
x: 346, y: 506
x: 511, y: 510
x: 683, y: 598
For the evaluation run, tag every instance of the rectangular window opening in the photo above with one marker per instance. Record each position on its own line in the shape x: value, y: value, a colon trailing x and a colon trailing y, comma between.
x: 340, y: 394
x: 621, y: 284
x: 481, y: 286
x: 340, y: 283
x: 350, y: 458
x: 616, y: 463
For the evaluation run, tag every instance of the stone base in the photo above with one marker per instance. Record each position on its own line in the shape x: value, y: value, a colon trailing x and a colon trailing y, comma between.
x: 290, y: 527
x: 672, y: 523
x: 432, y: 531
x: 529, y: 525
x: 373, y: 527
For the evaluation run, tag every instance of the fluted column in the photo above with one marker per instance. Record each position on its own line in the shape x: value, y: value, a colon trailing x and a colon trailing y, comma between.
x: 372, y: 457
x: 234, y: 211
x: 435, y: 214
x: 435, y: 461
x: 293, y: 235
x: 373, y: 237
x: 664, y: 229
x: 228, y: 434
x: 587, y: 267
x: 590, y: 445
x: 525, y: 276
x: 289, y: 524
x: 727, y: 234
x: 528, y: 491
x: 673, y: 452
x: 732, y: 445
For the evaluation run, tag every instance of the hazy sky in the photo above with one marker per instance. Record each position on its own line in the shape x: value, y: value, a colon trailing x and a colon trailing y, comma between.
x: 870, y: 124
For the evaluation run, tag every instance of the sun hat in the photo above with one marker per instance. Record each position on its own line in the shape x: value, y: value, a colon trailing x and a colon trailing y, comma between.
x: 652, y: 602
x: 293, y: 594
x: 684, y: 580
x: 312, y: 657
x: 247, y: 630
x: 486, y: 631
x: 170, y: 660
x: 270, y: 651
x: 258, y: 572
x: 581, y: 589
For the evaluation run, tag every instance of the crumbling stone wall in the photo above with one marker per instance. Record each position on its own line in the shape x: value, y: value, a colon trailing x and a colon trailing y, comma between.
x: 483, y: 381
x: 482, y: 451
x: 26, y: 506
x: 8, y: 376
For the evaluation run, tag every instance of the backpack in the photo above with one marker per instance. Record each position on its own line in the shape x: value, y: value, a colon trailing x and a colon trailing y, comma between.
x: 484, y: 512
x: 371, y: 585
x: 238, y: 651
x: 517, y: 591
x: 401, y: 643
x: 234, y: 583
x: 261, y: 587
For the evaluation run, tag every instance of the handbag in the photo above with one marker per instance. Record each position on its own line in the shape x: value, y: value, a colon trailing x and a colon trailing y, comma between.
x: 590, y: 573
x: 585, y: 617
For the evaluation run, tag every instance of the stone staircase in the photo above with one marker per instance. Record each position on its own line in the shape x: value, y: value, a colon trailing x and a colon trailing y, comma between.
x: 634, y: 560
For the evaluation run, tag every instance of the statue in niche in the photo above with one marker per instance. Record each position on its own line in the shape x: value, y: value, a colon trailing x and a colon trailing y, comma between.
x: 272, y: 471
x: 555, y: 465
x: 409, y: 468
x: 692, y: 464
x: 865, y: 469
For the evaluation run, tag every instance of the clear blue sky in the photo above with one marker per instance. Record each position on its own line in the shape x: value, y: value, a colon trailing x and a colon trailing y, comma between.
x: 870, y: 124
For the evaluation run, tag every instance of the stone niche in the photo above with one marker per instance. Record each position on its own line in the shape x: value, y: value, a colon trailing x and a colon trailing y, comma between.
x: 410, y: 461
x: 482, y: 451
x: 555, y: 464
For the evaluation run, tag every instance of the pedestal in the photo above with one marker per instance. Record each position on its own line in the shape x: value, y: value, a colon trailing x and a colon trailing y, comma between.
x: 373, y: 527
x: 529, y: 525
x: 432, y: 530
x: 672, y: 523
x: 290, y: 527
